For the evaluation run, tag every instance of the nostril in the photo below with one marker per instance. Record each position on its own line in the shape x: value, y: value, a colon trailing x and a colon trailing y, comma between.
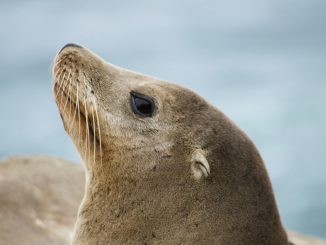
x: 70, y: 45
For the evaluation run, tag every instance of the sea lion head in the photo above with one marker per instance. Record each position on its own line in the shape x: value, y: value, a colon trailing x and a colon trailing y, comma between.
x: 115, y: 113
x: 160, y: 160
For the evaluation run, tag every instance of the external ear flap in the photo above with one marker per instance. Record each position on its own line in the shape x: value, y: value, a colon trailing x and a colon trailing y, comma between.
x: 199, y: 165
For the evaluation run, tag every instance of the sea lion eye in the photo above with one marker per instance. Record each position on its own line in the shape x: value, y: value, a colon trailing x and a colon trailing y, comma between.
x: 142, y: 104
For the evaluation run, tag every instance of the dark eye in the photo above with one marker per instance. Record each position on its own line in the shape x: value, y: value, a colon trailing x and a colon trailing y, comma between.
x: 142, y: 104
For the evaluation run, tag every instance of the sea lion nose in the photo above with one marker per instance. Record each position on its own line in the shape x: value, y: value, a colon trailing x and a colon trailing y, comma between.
x: 70, y: 45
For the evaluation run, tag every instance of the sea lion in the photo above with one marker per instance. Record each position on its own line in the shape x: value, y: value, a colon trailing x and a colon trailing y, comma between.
x: 163, y: 166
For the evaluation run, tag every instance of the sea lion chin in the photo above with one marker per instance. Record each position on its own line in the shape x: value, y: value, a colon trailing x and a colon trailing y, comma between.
x: 162, y: 165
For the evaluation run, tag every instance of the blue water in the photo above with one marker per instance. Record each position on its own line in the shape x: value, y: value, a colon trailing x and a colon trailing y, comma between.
x: 261, y: 62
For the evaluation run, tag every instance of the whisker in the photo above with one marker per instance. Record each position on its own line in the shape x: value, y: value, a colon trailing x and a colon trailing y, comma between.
x: 58, y: 61
x: 88, y: 148
x: 75, y: 111
x: 58, y: 73
x: 54, y: 64
x: 60, y: 84
x: 68, y: 95
x: 56, y: 79
x: 65, y: 83
x: 99, y: 134
x: 94, y: 129
x: 89, y: 138
x: 78, y: 113
x: 86, y: 131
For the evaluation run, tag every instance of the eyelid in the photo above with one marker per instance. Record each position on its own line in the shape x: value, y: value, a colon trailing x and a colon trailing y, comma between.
x: 141, y: 96
x: 144, y: 97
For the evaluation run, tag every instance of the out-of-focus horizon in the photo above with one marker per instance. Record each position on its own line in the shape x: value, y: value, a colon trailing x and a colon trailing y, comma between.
x: 261, y: 63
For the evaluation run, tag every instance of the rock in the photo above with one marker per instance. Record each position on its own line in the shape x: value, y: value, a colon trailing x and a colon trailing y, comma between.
x: 39, y: 199
x: 299, y: 239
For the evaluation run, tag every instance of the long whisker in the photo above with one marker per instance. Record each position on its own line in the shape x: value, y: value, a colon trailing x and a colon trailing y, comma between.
x: 88, y: 148
x: 57, y: 79
x: 66, y: 82
x: 76, y: 109
x: 58, y: 73
x: 89, y: 138
x: 94, y: 129
x: 85, y: 128
x: 58, y: 61
x: 78, y: 113
x: 86, y: 131
x: 99, y: 134
x: 68, y: 94
x: 60, y: 84
x: 55, y: 64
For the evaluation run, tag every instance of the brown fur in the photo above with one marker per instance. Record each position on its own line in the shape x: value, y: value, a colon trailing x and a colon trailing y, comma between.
x: 143, y: 191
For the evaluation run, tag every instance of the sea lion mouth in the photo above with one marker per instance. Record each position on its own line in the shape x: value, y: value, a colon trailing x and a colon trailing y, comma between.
x: 75, y: 107
x: 79, y: 113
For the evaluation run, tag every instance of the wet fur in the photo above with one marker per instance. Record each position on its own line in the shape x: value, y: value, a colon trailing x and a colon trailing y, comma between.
x: 141, y: 190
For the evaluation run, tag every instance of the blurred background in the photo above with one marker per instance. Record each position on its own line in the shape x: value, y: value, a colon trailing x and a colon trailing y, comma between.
x: 261, y: 62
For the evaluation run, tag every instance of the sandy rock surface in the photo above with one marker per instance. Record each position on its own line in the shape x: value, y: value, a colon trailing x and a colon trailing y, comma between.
x: 299, y: 239
x: 39, y: 198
